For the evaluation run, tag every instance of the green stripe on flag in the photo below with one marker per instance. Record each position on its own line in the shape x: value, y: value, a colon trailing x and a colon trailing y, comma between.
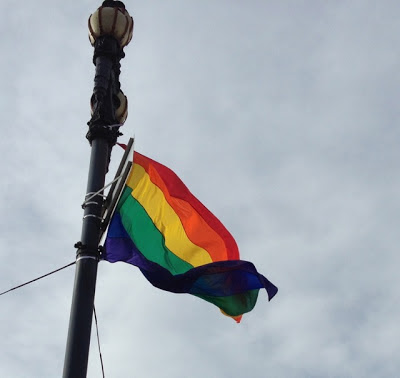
x: 147, y: 238
x: 234, y: 305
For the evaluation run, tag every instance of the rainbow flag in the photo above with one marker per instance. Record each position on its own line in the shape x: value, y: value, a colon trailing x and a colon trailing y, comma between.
x: 178, y: 244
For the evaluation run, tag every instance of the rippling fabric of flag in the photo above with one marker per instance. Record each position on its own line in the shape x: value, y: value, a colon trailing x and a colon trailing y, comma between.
x: 179, y: 245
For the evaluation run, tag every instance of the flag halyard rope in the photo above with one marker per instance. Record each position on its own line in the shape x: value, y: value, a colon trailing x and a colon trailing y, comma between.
x: 92, y: 195
x: 94, y: 309
x: 98, y: 340
x: 38, y: 278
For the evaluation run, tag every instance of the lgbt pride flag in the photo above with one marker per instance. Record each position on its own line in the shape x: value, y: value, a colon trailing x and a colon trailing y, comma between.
x: 179, y: 245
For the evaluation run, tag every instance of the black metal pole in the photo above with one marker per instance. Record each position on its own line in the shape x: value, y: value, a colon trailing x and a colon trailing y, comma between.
x: 108, y: 114
x: 77, y: 350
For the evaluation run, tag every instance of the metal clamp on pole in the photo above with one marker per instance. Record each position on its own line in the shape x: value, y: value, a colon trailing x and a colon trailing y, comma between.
x: 84, y: 252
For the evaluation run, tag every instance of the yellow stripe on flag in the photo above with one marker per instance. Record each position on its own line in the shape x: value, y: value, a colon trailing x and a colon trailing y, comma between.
x: 165, y: 219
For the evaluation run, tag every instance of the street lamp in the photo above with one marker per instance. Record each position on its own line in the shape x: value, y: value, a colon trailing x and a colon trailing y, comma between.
x: 110, y: 30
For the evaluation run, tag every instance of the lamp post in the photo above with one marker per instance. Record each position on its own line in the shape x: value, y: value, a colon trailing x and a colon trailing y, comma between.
x: 110, y: 30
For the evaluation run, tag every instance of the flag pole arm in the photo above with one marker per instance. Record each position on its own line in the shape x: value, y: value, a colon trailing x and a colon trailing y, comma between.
x: 114, y: 201
x: 110, y: 30
x: 128, y: 156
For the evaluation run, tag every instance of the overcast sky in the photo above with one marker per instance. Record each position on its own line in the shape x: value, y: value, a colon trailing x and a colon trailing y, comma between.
x: 282, y: 117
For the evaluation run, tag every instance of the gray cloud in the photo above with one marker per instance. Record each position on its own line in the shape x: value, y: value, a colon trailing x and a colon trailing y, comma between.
x: 281, y: 118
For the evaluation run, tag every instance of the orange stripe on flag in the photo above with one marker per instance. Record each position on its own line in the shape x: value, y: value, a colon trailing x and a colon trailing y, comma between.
x: 196, y: 228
